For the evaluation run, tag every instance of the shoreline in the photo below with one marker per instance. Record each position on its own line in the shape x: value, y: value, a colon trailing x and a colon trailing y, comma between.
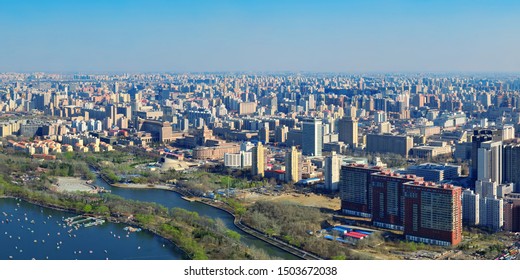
x: 244, y: 228
x: 140, y: 186
x: 109, y: 219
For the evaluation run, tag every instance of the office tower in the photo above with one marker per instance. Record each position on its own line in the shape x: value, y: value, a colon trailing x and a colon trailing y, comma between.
x: 292, y: 165
x: 110, y: 112
x: 512, y: 212
x: 312, y: 138
x: 332, y: 167
x: 263, y: 133
x: 433, y: 213
x: 491, y: 211
x: 388, y: 198
x: 348, y: 131
x: 479, y: 136
x: 394, y: 144
x: 280, y: 134
x: 355, y: 191
x: 511, y: 165
x: 470, y: 208
x: 258, y: 160
x: 489, y: 161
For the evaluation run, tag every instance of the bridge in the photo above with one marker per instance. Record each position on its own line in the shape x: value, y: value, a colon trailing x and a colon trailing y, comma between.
x: 86, y: 221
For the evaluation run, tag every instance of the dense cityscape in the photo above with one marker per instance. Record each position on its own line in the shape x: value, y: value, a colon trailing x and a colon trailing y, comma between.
x: 428, y: 160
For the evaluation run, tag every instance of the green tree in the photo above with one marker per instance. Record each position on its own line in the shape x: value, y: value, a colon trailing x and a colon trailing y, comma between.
x: 70, y: 172
x: 102, y: 210
x: 87, y: 208
x: 233, y: 234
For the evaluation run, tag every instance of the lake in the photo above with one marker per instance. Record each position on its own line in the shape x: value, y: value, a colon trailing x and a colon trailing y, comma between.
x: 29, y: 232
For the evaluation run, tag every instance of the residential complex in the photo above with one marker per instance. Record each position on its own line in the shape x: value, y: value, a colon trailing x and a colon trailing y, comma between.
x: 417, y: 130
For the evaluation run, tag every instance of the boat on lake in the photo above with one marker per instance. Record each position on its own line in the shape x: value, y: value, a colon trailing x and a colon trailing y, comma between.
x: 132, y: 229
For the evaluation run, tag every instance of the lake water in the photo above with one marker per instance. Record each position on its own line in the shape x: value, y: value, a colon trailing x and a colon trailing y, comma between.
x: 28, y: 231
x: 172, y: 199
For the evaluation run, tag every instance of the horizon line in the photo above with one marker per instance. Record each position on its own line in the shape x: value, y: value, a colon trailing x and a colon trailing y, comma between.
x: 120, y: 72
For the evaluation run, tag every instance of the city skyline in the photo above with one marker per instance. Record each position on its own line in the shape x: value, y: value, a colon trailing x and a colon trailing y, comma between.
x: 232, y: 36
x: 273, y: 130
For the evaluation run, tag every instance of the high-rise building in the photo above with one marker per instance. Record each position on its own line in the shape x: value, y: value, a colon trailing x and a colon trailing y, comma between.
x: 433, y: 213
x: 511, y: 165
x: 489, y: 161
x: 379, y: 117
x: 479, y: 136
x: 489, y: 188
x: 280, y: 134
x: 470, y: 208
x: 241, y: 159
x: 332, y: 168
x: 292, y: 165
x: 312, y: 138
x: 388, y: 198
x: 125, y: 111
x: 348, y: 131
x: 116, y: 87
x: 351, y: 112
x: 263, y: 133
x: 258, y: 160
x: 512, y: 212
x: 355, y: 190
x: 232, y: 160
x: 41, y: 101
x: 111, y: 112
x: 486, y: 188
x: 491, y: 211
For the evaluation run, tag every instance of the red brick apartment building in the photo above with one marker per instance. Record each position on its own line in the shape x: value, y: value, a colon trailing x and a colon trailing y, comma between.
x: 433, y: 213
x: 388, y: 198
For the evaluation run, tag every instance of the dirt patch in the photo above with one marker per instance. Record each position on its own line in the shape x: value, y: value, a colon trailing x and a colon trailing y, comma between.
x: 72, y: 184
x: 312, y: 200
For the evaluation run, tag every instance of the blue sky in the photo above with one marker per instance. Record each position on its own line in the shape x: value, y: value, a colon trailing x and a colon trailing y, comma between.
x: 321, y: 36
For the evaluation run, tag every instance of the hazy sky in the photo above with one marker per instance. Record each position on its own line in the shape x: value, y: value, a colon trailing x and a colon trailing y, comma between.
x: 278, y: 35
